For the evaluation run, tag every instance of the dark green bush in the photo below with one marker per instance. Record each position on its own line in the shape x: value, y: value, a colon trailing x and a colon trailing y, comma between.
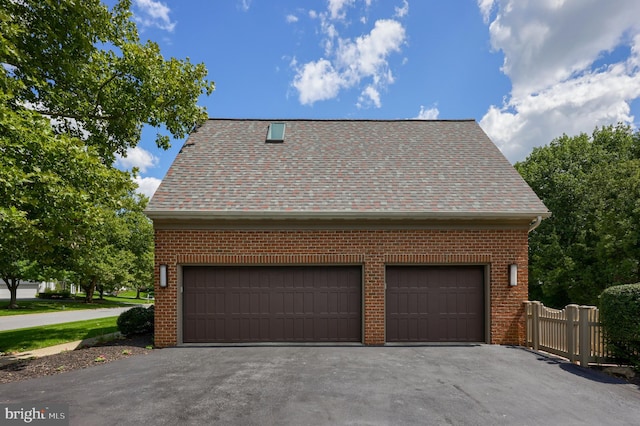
x: 620, y: 317
x: 54, y: 294
x: 138, y: 320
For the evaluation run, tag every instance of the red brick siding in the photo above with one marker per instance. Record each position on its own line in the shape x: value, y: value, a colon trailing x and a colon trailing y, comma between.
x: 371, y: 248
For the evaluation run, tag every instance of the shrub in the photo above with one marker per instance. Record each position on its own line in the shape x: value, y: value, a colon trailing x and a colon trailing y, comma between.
x: 620, y: 316
x: 54, y: 294
x: 138, y: 320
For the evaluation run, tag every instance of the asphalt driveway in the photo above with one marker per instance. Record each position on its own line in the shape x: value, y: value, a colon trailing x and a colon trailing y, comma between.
x: 322, y: 385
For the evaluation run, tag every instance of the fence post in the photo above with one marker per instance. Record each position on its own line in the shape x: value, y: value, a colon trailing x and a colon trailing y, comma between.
x: 572, y: 316
x: 584, y: 336
x: 535, y: 335
x: 527, y: 323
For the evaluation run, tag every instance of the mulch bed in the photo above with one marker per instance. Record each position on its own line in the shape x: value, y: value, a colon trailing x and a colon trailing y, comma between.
x: 635, y: 380
x: 63, y: 362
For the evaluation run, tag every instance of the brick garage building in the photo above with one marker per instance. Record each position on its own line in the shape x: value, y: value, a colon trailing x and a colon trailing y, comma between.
x: 341, y: 230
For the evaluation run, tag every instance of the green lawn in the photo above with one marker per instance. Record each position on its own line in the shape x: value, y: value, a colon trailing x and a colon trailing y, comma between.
x: 130, y: 297
x: 57, y: 305
x: 26, y: 339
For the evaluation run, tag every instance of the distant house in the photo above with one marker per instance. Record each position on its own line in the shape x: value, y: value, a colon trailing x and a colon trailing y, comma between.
x: 367, y: 231
x: 26, y: 289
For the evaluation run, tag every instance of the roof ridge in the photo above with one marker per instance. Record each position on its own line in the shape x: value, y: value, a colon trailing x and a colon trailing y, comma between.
x: 343, y: 119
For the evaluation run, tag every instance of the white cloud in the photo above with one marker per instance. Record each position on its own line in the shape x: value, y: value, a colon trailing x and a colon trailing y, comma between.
x: 317, y: 81
x: 336, y: 8
x: 428, y: 114
x: 245, y: 5
x: 366, y: 56
x: 349, y: 61
x: 147, y: 185
x: 552, y: 54
x: 485, y: 8
x: 154, y: 14
x: 369, y: 95
x: 137, y: 157
x: 549, y: 41
x: 403, y: 10
x: 291, y: 19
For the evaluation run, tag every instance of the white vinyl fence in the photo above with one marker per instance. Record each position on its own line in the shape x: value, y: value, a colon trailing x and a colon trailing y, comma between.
x: 573, y: 332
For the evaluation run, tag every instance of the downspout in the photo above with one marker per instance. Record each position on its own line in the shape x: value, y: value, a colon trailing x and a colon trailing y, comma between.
x: 535, y: 223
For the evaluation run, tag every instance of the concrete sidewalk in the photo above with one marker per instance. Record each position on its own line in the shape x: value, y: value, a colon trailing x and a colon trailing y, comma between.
x: 34, y: 320
x: 52, y: 350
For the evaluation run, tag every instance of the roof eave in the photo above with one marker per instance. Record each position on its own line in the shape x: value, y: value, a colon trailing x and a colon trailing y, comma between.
x: 341, y: 215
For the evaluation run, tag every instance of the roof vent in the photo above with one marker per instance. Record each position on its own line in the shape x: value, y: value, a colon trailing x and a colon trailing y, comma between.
x: 275, y: 134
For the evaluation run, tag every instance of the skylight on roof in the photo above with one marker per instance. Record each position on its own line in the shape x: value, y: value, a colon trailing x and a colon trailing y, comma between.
x: 276, y: 132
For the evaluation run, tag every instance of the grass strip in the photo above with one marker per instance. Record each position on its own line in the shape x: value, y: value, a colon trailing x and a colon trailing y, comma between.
x: 129, y: 299
x: 43, y: 306
x: 27, y: 339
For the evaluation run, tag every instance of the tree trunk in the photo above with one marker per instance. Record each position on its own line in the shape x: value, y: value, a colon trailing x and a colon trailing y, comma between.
x: 12, y: 285
x: 137, y: 293
x: 101, y: 292
x: 89, y: 289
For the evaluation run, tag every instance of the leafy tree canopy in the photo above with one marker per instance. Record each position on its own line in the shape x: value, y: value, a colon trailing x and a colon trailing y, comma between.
x: 76, y: 87
x: 84, y: 66
x: 52, y: 189
x: 591, y: 184
x: 118, y: 251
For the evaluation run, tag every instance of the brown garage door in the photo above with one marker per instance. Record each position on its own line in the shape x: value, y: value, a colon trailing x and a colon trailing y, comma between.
x: 435, y: 304
x: 272, y: 304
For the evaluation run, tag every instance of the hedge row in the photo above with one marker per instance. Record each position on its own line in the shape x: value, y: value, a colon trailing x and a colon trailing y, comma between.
x: 620, y: 317
x: 51, y: 294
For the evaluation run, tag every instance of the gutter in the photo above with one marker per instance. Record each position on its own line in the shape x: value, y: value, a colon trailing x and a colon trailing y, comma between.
x: 341, y: 215
x: 535, y: 223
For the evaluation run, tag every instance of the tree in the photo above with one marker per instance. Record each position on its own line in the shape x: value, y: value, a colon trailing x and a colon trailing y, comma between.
x: 76, y: 88
x: 117, y: 251
x: 84, y: 66
x: 52, y: 189
x: 141, y: 246
x: 591, y: 184
x: 129, y: 257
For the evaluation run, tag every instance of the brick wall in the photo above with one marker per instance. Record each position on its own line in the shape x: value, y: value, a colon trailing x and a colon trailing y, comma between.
x: 372, y: 248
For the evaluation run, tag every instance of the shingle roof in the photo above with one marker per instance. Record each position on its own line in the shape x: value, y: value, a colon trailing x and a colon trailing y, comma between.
x: 343, y: 167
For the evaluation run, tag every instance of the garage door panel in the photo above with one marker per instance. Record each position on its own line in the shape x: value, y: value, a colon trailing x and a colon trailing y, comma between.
x: 336, y: 299
x: 422, y: 303
x: 308, y: 302
x: 252, y: 304
x: 298, y: 303
x: 201, y: 303
x: 322, y: 326
x: 287, y: 297
x: 276, y: 327
x: 401, y: 304
x: 276, y: 303
x: 244, y: 303
x: 321, y: 302
x: 265, y: 302
x: 435, y: 303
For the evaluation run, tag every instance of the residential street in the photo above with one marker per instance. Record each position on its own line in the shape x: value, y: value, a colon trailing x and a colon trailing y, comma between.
x: 34, y: 320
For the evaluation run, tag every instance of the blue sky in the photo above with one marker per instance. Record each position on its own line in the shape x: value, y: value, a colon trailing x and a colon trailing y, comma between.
x: 527, y: 71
